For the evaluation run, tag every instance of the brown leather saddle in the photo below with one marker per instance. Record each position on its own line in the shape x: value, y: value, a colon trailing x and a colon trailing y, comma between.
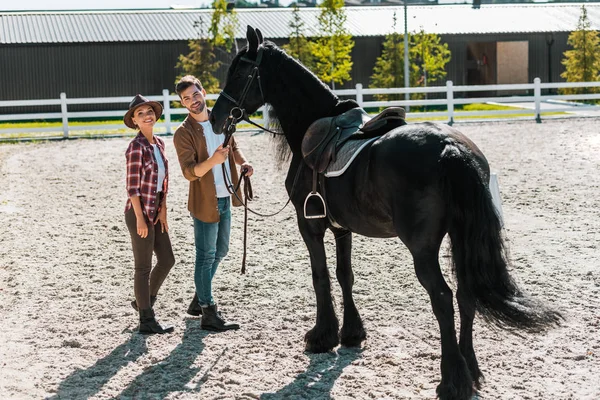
x: 326, y: 136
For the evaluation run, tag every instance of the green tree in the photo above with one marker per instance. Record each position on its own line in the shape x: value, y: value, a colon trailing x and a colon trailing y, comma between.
x: 582, y: 63
x: 332, y: 51
x: 389, y: 67
x: 202, y: 61
x: 299, y: 46
x: 427, y: 56
x: 223, y: 23
x: 430, y: 57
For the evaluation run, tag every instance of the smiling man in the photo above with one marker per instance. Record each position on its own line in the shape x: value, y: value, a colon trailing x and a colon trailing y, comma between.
x: 201, y: 155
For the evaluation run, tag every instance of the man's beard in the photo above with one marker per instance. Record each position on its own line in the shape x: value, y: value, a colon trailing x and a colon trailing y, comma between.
x: 201, y: 108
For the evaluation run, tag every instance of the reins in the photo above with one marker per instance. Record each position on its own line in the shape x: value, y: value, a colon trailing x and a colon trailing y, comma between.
x: 236, y: 114
x: 248, y: 195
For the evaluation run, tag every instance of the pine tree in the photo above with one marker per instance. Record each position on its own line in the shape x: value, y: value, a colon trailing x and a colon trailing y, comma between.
x: 333, y: 50
x: 389, y: 67
x: 582, y: 63
x: 202, y: 61
x: 299, y: 46
x: 427, y: 56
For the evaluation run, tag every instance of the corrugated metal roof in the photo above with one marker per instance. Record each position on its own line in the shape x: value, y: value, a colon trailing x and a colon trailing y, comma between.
x: 175, y: 25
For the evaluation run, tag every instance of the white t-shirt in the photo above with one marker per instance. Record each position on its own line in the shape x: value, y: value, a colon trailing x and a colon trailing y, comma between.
x: 161, y: 168
x: 212, y: 142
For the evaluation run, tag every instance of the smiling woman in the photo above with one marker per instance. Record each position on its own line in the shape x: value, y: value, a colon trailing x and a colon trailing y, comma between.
x: 147, y: 184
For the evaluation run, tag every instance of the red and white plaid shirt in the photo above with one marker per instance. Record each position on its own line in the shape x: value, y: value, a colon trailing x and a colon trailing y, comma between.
x: 142, y: 174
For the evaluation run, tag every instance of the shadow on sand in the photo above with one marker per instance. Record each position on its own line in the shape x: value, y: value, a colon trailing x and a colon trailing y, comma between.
x: 173, y: 374
x: 84, y: 383
x: 320, y: 376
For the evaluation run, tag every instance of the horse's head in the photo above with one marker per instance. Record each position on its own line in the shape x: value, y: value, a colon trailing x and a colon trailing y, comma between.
x: 243, y: 93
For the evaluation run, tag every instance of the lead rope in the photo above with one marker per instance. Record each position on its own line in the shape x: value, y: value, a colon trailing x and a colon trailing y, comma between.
x: 248, y: 195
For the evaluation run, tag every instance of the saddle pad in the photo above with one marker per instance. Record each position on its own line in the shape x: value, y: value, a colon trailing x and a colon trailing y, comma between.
x: 345, y: 155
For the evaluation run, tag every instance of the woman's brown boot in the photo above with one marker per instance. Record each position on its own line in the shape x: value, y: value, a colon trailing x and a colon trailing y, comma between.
x: 152, y: 301
x: 149, y: 325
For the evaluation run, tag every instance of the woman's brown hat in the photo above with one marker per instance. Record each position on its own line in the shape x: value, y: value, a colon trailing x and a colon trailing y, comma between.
x: 138, y: 101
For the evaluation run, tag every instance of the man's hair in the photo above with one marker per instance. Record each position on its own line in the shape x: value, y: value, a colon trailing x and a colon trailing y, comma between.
x: 186, y: 82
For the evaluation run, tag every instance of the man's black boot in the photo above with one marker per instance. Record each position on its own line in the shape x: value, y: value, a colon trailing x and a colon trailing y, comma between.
x: 149, y: 325
x: 152, y: 301
x: 194, y: 308
x: 213, y: 320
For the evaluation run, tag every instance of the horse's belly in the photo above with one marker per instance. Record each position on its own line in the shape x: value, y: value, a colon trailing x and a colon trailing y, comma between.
x: 365, y: 213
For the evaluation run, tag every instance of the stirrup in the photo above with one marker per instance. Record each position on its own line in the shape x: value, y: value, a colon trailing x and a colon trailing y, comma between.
x: 315, y: 194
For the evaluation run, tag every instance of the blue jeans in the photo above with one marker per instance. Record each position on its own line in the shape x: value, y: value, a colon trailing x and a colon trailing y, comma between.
x: 212, y: 245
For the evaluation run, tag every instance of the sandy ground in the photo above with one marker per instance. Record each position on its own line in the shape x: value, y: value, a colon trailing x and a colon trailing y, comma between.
x: 67, y: 329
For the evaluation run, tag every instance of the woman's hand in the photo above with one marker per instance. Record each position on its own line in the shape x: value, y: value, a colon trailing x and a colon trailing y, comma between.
x: 162, y: 217
x: 142, y: 228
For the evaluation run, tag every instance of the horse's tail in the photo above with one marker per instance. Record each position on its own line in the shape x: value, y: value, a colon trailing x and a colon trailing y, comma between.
x: 478, y: 252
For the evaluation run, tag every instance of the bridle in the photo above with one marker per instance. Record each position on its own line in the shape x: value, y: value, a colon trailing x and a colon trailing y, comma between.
x: 238, y: 113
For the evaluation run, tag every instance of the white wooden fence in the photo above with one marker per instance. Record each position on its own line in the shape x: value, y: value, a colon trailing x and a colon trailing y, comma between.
x: 552, y: 103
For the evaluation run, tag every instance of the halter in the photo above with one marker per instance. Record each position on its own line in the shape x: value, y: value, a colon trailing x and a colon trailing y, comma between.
x: 238, y: 112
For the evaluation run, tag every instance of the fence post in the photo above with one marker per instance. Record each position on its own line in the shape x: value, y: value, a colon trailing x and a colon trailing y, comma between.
x: 65, y: 117
x: 496, y: 199
x: 537, y: 94
x: 450, y: 101
x: 167, y: 110
x: 359, y: 95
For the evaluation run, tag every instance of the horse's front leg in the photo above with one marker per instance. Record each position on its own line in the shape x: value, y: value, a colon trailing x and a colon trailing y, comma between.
x: 323, y: 336
x: 353, y: 331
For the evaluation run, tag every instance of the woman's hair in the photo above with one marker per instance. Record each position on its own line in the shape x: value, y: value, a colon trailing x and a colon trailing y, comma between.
x: 187, y: 81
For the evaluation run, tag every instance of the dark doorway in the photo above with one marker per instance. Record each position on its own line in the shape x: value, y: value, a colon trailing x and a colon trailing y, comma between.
x: 481, y: 64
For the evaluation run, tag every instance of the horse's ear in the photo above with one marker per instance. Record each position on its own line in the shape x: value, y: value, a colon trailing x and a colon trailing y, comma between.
x: 260, y: 36
x: 252, y: 40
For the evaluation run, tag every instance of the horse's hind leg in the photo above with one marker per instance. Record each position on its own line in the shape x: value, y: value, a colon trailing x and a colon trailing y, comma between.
x: 353, y: 332
x: 457, y: 383
x: 467, y: 314
x: 324, y: 335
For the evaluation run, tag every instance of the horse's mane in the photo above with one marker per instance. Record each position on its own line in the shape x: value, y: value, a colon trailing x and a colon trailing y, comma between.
x: 296, y: 72
x: 282, y: 148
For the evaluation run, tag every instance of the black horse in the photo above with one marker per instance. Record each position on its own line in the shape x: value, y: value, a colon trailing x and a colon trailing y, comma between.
x: 418, y: 182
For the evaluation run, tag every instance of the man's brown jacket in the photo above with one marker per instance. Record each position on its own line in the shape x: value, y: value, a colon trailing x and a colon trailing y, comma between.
x: 190, y: 144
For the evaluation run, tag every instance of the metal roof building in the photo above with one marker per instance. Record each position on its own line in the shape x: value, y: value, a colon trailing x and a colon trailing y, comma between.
x: 175, y: 25
x: 117, y: 53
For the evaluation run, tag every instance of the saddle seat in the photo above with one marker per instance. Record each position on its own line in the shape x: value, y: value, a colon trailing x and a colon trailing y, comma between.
x: 325, y: 136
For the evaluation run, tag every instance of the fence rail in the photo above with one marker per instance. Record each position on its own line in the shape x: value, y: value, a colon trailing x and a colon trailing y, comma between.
x: 553, y: 103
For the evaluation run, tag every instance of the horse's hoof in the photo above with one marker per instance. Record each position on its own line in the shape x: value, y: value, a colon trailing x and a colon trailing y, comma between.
x: 320, y: 342
x: 451, y: 392
x: 352, y: 339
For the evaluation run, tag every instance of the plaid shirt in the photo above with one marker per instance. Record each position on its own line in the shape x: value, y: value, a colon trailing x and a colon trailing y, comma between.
x: 142, y: 174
